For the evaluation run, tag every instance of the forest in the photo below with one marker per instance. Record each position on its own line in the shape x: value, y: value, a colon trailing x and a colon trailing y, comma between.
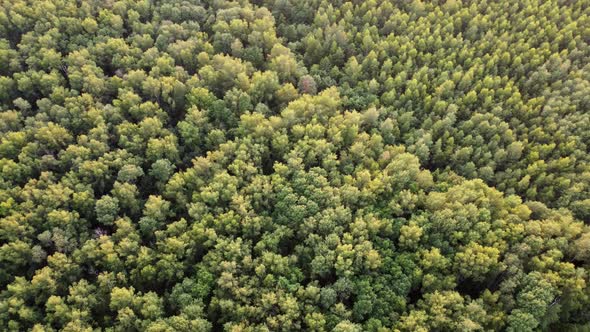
x: 294, y: 165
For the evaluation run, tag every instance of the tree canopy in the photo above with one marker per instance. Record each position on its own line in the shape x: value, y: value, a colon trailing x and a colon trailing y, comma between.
x: 283, y: 165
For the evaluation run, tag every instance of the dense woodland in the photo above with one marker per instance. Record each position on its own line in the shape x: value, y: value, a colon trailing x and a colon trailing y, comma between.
x: 282, y: 165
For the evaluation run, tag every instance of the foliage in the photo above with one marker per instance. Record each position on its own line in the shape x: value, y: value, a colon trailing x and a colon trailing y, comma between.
x: 173, y: 165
